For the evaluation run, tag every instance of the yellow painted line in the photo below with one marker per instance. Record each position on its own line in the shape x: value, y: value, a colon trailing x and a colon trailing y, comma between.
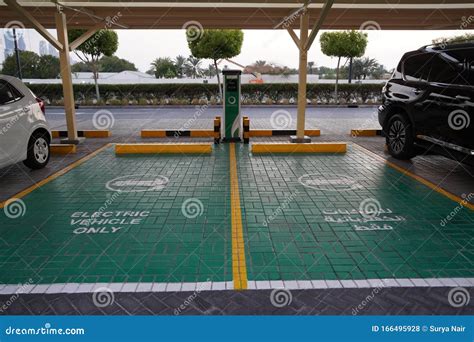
x: 239, y: 267
x: 363, y: 132
x: 162, y: 148
x: 202, y: 133
x: 62, y: 148
x: 426, y: 182
x: 322, y: 147
x: 153, y: 133
x: 56, y: 175
x: 97, y: 134
x: 261, y: 133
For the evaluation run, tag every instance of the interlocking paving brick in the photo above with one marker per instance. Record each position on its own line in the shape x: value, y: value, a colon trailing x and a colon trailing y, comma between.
x: 77, y: 229
x: 347, y: 301
x: 304, y: 219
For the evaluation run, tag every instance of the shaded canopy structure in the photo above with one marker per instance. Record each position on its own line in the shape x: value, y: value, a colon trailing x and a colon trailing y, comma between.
x: 309, y: 17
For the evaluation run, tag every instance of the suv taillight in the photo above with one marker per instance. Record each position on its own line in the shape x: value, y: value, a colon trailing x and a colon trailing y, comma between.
x: 41, y: 103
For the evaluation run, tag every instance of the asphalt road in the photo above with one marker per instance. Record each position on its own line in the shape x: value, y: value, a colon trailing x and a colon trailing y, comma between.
x: 128, y: 120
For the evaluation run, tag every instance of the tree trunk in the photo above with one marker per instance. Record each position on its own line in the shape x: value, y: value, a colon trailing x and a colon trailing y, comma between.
x: 218, y: 80
x: 350, y: 71
x: 95, y: 73
x: 337, y: 79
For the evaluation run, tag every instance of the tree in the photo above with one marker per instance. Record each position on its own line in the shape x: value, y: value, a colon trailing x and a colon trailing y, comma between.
x: 32, y: 65
x: 215, y: 45
x: 106, y: 64
x: 210, y: 71
x: 164, y: 68
x: 115, y: 64
x: 103, y: 43
x: 364, y: 66
x: 310, y: 67
x: 340, y: 44
x: 29, y: 62
x: 455, y: 39
x: 48, y: 67
x: 80, y: 67
x: 180, y: 63
x: 193, y: 67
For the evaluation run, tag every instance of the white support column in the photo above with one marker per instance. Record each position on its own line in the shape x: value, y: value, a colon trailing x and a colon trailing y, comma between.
x: 66, y: 77
x: 302, y: 77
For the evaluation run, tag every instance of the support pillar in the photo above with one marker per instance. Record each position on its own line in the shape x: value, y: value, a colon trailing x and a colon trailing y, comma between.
x: 68, y: 92
x: 302, y: 78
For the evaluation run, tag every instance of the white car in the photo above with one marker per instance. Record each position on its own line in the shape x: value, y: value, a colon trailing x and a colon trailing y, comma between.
x: 24, y: 133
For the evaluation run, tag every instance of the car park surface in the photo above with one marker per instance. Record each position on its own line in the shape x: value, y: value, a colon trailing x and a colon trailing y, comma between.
x: 303, y: 226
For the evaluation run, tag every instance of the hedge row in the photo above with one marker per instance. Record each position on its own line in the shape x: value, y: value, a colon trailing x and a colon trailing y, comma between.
x: 143, y: 94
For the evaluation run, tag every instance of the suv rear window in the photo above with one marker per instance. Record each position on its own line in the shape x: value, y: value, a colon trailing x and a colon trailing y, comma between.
x: 417, y: 67
x: 453, y: 67
x: 444, y: 69
x: 8, y: 93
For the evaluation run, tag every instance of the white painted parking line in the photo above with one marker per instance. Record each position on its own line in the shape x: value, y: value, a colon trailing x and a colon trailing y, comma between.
x: 9, y: 289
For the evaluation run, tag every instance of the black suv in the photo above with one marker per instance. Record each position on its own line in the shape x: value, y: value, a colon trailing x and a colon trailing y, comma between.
x: 429, y: 103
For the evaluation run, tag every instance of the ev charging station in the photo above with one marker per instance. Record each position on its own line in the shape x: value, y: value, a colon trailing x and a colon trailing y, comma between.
x: 232, y: 120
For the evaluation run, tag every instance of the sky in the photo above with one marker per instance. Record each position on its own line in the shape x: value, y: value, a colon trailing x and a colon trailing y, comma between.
x: 276, y: 46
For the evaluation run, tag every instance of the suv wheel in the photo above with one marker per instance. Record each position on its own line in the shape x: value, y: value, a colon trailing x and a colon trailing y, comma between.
x: 38, y: 151
x: 400, y: 141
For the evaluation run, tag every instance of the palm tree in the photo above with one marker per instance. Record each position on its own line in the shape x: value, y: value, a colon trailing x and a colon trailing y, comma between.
x: 310, y: 66
x: 180, y: 62
x: 365, y: 66
x: 210, y: 71
x: 164, y: 67
x: 193, y: 67
x: 259, y: 64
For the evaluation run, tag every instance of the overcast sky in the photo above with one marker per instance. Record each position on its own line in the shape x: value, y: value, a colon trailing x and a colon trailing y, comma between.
x: 142, y: 46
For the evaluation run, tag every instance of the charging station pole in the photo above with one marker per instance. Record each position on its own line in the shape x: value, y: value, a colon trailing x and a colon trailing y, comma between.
x: 232, y: 123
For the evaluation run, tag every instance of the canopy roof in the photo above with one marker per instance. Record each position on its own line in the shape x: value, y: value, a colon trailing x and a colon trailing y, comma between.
x: 252, y: 14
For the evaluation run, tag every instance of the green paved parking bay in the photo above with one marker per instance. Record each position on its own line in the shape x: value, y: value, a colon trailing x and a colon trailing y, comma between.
x: 312, y: 217
x: 168, y: 219
x: 124, y: 219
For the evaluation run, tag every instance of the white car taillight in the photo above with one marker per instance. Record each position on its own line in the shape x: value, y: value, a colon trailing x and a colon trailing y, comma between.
x: 41, y: 103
